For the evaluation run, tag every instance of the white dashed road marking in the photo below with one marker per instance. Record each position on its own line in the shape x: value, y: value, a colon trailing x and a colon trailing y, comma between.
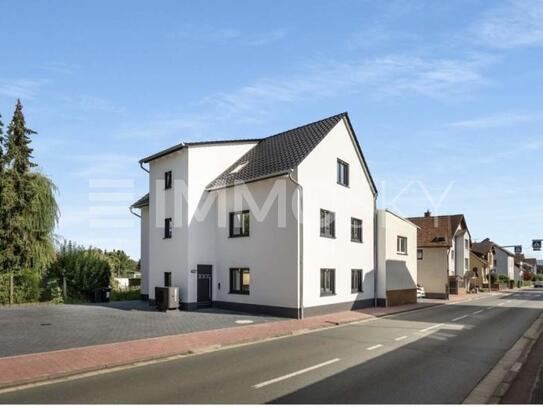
x: 459, y: 318
x: 431, y: 327
x: 299, y: 372
x: 374, y: 347
x: 401, y: 338
x: 477, y: 312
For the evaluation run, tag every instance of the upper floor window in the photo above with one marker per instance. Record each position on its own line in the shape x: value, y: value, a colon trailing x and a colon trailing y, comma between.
x: 342, y: 173
x: 239, y: 223
x: 401, y: 245
x: 356, y: 230
x: 328, y: 282
x: 466, y: 244
x: 167, y: 228
x: 420, y: 254
x: 466, y: 264
x: 328, y: 223
x: 167, y: 180
x: 452, y: 254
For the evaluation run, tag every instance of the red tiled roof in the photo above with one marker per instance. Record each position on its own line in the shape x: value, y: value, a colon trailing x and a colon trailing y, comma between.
x: 437, y: 231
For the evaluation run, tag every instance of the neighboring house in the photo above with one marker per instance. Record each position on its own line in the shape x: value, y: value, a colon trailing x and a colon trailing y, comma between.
x: 443, y: 253
x: 282, y: 225
x: 480, y: 268
x: 505, y: 262
x: 396, y: 259
x: 532, y: 263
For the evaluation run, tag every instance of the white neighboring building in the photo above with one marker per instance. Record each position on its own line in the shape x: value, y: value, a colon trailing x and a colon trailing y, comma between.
x: 396, y: 259
x: 282, y: 225
x: 504, y: 262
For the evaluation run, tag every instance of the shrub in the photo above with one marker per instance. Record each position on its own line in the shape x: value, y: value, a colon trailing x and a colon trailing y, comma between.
x: 85, y: 269
x: 126, y: 295
x: 503, y: 279
x: 527, y: 276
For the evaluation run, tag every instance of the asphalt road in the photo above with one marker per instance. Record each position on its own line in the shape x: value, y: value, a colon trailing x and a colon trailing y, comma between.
x: 435, y: 355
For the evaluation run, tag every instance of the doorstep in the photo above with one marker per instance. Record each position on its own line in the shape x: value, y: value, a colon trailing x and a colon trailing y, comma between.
x: 29, y: 368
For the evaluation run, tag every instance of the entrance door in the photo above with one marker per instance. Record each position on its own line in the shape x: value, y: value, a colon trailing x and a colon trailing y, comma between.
x: 204, y: 285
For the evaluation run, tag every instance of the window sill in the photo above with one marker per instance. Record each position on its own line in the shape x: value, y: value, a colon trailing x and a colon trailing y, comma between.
x: 166, y: 238
x: 235, y: 236
x: 357, y: 241
x: 327, y: 294
x: 343, y: 185
x: 357, y: 291
x: 328, y: 237
x: 237, y: 293
x: 401, y: 254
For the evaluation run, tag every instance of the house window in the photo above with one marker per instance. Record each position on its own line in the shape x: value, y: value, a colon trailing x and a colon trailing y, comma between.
x: 240, y: 280
x: 466, y: 264
x: 168, y: 279
x: 167, y: 228
x: 239, y: 224
x: 328, y: 223
x: 342, y: 173
x: 328, y: 283
x: 356, y: 281
x: 419, y: 254
x: 401, y: 245
x: 356, y: 230
x: 167, y: 180
x: 466, y: 244
x: 452, y: 255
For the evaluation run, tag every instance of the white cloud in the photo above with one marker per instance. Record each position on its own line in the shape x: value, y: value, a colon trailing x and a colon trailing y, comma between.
x: 19, y: 88
x: 218, y: 35
x: 498, y: 120
x: 518, y: 23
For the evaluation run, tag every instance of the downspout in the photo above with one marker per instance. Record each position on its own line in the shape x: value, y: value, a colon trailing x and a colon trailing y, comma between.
x: 301, y: 234
x: 134, y: 213
x: 375, y: 242
x: 143, y: 168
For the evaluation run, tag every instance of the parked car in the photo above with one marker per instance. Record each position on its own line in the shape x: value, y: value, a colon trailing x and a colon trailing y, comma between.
x: 420, y: 291
x: 538, y: 284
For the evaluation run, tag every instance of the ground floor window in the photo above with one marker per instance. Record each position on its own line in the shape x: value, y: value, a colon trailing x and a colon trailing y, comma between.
x: 240, y: 280
x: 328, y: 283
x: 356, y: 281
x: 420, y: 254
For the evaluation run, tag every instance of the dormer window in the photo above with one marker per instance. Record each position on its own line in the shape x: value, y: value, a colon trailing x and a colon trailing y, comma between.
x: 342, y: 173
x: 167, y: 180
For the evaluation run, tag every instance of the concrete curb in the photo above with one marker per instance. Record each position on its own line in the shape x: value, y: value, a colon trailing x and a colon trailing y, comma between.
x: 495, y: 384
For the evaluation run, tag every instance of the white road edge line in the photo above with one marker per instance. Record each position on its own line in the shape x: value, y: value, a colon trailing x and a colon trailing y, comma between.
x: 459, y: 318
x: 401, y: 338
x: 477, y: 312
x: 299, y: 372
x: 374, y: 347
x: 431, y: 327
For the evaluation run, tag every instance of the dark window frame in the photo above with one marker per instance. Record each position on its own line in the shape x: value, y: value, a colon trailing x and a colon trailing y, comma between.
x: 359, y: 287
x: 342, y: 173
x: 331, y: 233
x: 398, y: 246
x: 168, y: 228
x: 245, y: 229
x: 353, y: 228
x: 420, y: 254
x: 242, y: 290
x: 168, y: 180
x: 332, y: 289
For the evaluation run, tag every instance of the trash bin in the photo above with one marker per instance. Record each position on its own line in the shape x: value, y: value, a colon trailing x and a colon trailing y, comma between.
x: 102, y: 294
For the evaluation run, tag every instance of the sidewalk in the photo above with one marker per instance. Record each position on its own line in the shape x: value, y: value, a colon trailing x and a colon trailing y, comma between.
x: 17, y: 370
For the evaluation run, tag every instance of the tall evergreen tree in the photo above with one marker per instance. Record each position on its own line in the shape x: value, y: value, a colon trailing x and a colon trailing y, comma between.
x: 19, y: 153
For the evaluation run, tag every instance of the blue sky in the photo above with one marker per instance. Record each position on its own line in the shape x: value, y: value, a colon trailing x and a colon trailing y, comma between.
x: 445, y: 97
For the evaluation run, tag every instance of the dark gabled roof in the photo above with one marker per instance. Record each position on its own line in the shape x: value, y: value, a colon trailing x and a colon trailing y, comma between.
x: 142, y: 202
x: 483, y: 247
x: 278, y: 154
x: 180, y: 146
x: 437, y: 231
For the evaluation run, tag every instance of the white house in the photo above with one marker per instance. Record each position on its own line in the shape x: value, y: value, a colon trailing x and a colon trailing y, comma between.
x: 396, y: 259
x: 282, y: 225
x: 505, y: 262
x: 443, y: 254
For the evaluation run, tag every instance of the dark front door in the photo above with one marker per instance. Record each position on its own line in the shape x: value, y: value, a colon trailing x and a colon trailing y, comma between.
x: 204, y: 285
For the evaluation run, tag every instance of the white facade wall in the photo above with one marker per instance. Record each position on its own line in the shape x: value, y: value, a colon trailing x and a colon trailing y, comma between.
x: 395, y: 271
x: 144, y: 251
x: 461, y: 253
x: 505, y: 263
x: 318, y: 176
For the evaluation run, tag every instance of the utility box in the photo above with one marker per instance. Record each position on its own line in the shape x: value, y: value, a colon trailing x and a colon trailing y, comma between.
x: 166, y: 298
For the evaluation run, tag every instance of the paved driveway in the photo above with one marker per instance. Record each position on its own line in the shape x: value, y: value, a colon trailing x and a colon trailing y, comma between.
x: 47, y: 327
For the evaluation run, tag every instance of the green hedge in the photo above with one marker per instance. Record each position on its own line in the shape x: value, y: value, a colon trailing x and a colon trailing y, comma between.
x: 26, y: 287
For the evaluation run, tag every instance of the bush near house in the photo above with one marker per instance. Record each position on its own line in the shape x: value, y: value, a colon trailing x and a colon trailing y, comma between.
x: 538, y: 277
x: 503, y: 279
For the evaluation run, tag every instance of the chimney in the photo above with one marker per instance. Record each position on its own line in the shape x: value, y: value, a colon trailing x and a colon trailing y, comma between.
x: 427, y: 214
